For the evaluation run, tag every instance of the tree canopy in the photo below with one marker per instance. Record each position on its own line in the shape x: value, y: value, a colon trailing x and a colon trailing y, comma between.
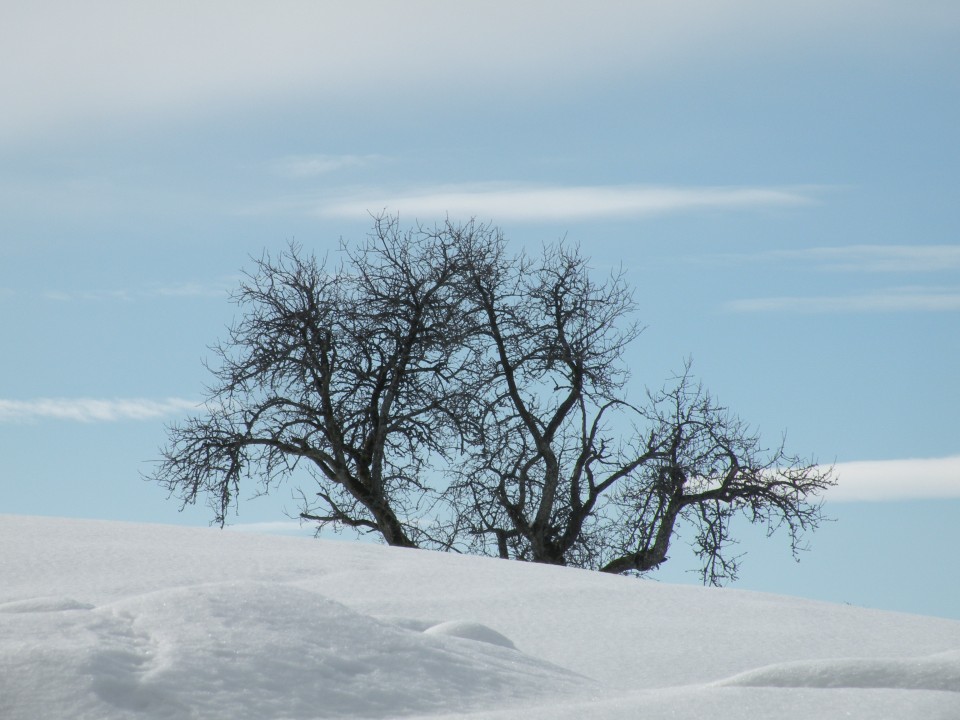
x: 433, y: 389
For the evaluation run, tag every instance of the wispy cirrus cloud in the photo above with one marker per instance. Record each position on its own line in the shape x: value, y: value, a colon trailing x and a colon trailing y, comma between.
x: 190, y: 289
x: 306, y: 166
x: 891, y: 480
x: 218, y: 289
x: 876, y: 258
x: 87, y: 295
x: 91, y: 410
x: 524, y: 202
x: 892, y: 300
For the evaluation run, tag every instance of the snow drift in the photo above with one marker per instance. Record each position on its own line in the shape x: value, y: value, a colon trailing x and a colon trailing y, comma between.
x: 106, y: 620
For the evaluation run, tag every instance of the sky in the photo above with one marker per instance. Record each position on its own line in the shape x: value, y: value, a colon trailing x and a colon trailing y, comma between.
x: 780, y: 185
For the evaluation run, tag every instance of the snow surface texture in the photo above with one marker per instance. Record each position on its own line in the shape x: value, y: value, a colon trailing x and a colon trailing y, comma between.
x: 102, y: 621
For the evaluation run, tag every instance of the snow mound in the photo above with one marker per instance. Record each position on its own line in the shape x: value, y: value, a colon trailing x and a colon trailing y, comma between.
x: 254, y: 650
x: 111, y: 621
x: 471, y: 631
x: 933, y: 672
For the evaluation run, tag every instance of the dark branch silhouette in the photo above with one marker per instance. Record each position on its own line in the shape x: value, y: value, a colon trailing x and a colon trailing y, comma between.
x: 440, y: 393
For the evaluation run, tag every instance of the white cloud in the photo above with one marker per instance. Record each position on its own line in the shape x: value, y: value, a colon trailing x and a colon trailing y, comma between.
x: 88, y: 410
x: 63, y: 63
x: 88, y: 295
x: 218, y: 288
x: 890, y: 480
x: 527, y: 202
x: 191, y: 289
x: 895, y: 300
x: 305, y: 166
x: 878, y: 258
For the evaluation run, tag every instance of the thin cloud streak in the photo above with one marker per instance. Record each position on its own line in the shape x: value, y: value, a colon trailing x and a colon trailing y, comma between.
x: 544, y: 203
x: 878, y: 258
x: 190, y: 289
x: 219, y: 289
x: 307, y: 166
x: 900, y: 300
x: 87, y: 295
x: 91, y: 410
x: 893, y: 480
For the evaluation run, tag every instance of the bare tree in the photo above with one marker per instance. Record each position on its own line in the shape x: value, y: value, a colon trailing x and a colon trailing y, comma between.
x: 349, y: 373
x: 562, y: 469
x: 548, y: 354
x: 442, y: 394
x: 700, y: 466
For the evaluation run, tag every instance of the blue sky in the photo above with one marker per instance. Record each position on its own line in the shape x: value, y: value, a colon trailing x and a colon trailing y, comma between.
x: 780, y: 182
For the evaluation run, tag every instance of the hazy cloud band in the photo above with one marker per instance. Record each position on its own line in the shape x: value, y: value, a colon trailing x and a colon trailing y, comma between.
x: 88, y: 410
x: 891, y: 301
x: 878, y: 258
x: 540, y: 203
x: 114, y: 59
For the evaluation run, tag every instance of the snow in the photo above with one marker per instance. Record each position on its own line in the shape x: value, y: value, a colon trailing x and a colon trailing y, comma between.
x: 105, y: 621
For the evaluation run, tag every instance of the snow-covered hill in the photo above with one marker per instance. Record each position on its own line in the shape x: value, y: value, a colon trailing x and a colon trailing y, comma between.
x: 102, y: 621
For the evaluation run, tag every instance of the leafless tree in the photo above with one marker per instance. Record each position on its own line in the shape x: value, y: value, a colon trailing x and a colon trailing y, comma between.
x: 349, y: 373
x: 697, y: 466
x: 562, y: 469
x: 443, y: 394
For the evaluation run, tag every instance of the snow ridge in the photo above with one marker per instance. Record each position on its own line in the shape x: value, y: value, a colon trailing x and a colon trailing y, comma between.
x: 933, y: 672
